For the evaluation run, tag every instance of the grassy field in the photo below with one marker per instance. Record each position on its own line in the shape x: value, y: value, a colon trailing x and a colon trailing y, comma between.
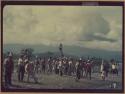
x: 52, y: 81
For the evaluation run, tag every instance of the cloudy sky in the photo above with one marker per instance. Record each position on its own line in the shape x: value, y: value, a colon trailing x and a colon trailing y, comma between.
x: 97, y: 27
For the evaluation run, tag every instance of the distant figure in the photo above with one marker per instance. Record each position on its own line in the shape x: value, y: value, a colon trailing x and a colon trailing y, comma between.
x: 56, y: 67
x: 78, y: 71
x: 102, y: 71
x: 106, y: 68
x: 114, y: 69
x: 88, y: 69
x: 49, y: 65
x: 43, y: 65
x: 37, y: 65
x: 102, y: 66
x: 8, y: 69
x: 81, y: 66
x: 84, y: 68
x: 60, y: 68
x: 30, y: 70
x: 117, y: 68
x: 21, y: 69
x: 70, y: 67
x: 65, y: 67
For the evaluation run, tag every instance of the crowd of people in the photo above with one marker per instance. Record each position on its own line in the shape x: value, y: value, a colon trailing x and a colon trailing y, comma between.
x: 78, y: 68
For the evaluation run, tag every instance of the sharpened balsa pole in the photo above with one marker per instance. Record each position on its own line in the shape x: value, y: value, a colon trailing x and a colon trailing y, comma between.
x: 61, y: 49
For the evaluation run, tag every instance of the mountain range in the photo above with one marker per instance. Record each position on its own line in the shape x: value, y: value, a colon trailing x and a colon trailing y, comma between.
x: 70, y: 50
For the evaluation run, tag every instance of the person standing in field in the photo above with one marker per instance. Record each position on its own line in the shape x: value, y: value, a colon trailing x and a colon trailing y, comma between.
x: 117, y: 68
x: 65, y: 66
x: 81, y: 66
x: 88, y: 69
x: 30, y: 70
x: 114, y: 69
x: 78, y: 71
x: 8, y: 69
x: 102, y: 70
x: 60, y: 68
x: 37, y: 64
x: 49, y: 65
x: 103, y: 75
x: 84, y: 68
x: 70, y: 67
x: 56, y: 67
x: 43, y: 65
x: 102, y: 67
x: 106, y: 68
x: 21, y: 69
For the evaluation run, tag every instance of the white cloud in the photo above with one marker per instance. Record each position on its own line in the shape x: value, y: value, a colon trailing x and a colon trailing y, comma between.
x: 95, y: 27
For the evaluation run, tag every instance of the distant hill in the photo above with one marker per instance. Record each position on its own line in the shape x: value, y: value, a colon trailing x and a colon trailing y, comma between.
x: 70, y: 50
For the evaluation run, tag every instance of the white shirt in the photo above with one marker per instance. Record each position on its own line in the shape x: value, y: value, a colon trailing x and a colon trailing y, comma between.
x: 102, y: 66
x: 70, y: 62
x: 26, y: 60
x: 60, y: 63
x: 20, y: 61
x: 113, y: 66
x: 77, y: 64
